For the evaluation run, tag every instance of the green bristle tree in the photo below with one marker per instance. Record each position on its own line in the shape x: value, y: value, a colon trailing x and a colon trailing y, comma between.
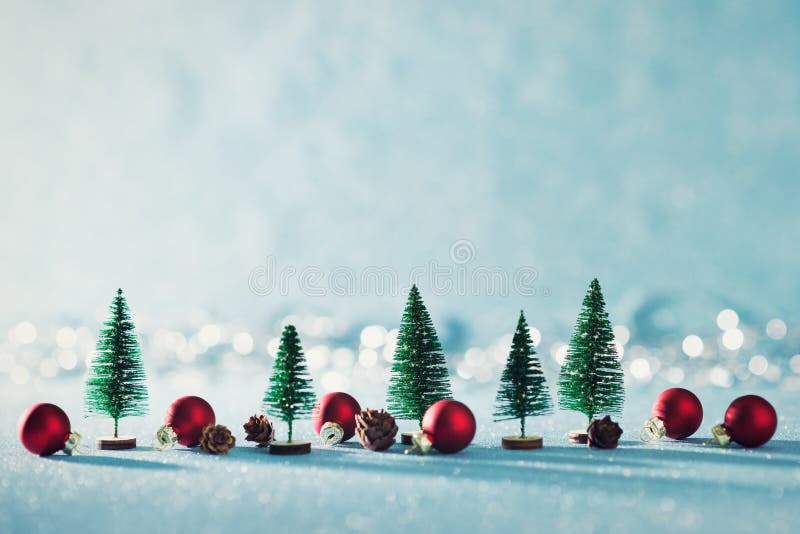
x: 591, y: 380
x: 419, y: 374
x: 290, y: 395
x: 523, y: 389
x: 115, y: 385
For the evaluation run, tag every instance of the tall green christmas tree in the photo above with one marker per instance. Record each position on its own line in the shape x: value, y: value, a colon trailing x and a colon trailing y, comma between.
x: 115, y: 385
x: 591, y: 380
x: 290, y: 395
x: 419, y: 373
x: 523, y: 389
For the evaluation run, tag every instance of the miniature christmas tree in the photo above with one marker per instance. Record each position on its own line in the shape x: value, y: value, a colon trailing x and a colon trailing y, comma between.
x: 290, y: 395
x: 115, y: 385
x: 591, y: 380
x: 523, y: 390
x: 419, y: 373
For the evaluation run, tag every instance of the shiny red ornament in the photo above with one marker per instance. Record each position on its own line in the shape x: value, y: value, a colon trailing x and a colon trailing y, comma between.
x: 449, y: 425
x: 336, y: 408
x: 44, y: 429
x: 187, y: 417
x: 750, y: 421
x: 677, y: 413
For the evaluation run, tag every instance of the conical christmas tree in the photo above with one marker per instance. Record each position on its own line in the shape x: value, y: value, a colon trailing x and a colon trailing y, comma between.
x: 591, y: 380
x: 419, y: 373
x: 115, y: 385
x: 290, y: 395
x: 523, y: 389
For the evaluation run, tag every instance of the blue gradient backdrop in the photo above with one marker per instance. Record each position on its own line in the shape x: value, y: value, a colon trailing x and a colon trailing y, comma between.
x: 169, y: 149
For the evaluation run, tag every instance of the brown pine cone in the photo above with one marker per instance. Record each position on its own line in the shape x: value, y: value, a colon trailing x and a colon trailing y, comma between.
x: 603, y: 433
x: 217, y: 439
x: 260, y: 430
x: 376, y: 429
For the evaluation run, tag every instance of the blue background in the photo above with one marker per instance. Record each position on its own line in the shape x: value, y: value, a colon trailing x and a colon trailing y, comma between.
x: 170, y: 149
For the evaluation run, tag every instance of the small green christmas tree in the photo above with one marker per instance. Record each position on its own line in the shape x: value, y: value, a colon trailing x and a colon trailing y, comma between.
x: 523, y: 389
x: 591, y: 380
x: 290, y: 394
x: 115, y: 385
x: 419, y: 373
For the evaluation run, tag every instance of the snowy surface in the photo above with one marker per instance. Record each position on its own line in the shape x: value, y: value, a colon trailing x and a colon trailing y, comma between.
x: 671, y: 486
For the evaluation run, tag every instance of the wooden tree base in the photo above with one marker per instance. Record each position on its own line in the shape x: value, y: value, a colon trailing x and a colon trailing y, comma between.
x: 290, y: 448
x: 115, y: 444
x: 406, y: 438
x: 516, y: 443
x: 578, y: 436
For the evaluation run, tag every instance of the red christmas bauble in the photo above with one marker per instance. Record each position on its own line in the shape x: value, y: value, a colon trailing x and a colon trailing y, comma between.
x: 750, y: 421
x: 337, y: 407
x: 43, y: 429
x: 681, y: 412
x: 188, y: 416
x: 449, y: 425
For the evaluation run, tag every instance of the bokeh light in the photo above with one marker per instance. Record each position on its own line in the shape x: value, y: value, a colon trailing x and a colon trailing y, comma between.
x: 48, y: 368
x: 66, y: 337
x: 773, y: 373
x: 794, y: 363
x: 640, y: 369
x: 367, y: 358
x: 692, y: 346
x: 675, y: 375
x: 727, y: 319
x: 390, y: 344
x: 20, y: 375
x: 536, y: 336
x: 733, y: 339
x: 373, y: 336
x: 209, y: 335
x: 243, y: 343
x: 621, y: 334
x: 366, y: 352
x: 776, y: 329
x: 721, y: 377
x: 559, y: 352
x: 317, y: 357
x: 23, y: 333
x: 67, y: 359
x: 464, y: 370
x: 273, y: 345
x: 758, y: 364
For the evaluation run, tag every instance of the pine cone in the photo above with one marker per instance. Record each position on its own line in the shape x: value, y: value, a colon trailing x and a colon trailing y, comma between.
x: 376, y: 429
x: 260, y: 430
x: 217, y: 439
x: 603, y: 433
